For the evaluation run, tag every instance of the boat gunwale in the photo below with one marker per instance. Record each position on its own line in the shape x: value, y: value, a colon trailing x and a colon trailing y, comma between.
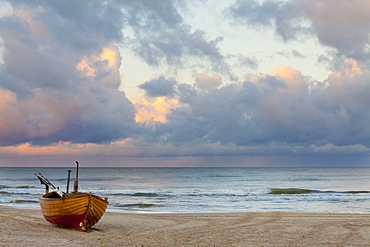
x: 78, y: 195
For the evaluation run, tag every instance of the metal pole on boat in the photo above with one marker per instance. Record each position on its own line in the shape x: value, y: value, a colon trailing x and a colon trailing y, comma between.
x: 76, y: 182
x: 69, y: 177
x: 47, y: 184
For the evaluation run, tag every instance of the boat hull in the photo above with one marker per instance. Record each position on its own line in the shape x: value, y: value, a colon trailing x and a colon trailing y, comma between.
x: 79, y: 211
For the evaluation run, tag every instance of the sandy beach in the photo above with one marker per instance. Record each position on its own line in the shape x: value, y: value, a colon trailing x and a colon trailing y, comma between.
x: 20, y: 227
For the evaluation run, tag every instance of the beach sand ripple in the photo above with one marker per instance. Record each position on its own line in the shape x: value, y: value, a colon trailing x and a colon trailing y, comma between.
x: 21, y: 227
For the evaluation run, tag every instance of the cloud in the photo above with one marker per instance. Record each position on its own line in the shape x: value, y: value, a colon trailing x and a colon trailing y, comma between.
x: 161, y: 37
x: 151, y: 112
x: 248, y: 62
x: 293, y: 53
x: 206, y: 82
x: 280, y: 112
x: 61, y: 66
x: 343, y: 25
x: 159, y: 87
x: 61, y: 74
x: 60, y: 82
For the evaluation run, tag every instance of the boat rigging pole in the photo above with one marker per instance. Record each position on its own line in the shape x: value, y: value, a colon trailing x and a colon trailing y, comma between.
x: 76, y: 182
x: 69, y: 176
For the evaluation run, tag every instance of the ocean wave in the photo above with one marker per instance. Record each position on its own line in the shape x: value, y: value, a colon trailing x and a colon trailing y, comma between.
x: 277, y: 191
x: 119, y: 194
x: 14, y: 193
x: 140, y: 194
x: 25, y: 187
x: 307, y: 179
x: 357, y: 192
x: 23, y: 201
x: 135, y: 205
x: 146, y: 194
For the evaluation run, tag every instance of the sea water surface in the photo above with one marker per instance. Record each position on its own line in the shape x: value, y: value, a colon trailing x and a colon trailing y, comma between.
x: 198, y: 190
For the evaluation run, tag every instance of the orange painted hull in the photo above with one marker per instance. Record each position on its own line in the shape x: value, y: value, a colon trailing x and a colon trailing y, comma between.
x: 79, y: 211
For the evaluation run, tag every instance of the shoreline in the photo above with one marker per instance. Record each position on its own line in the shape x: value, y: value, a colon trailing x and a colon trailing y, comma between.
x: 25, y: 227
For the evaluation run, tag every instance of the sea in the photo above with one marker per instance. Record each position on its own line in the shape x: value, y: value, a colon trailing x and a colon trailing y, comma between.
x: 200, y: 190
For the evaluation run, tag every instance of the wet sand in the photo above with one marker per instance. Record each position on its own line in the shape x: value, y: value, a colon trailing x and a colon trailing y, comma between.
x: 20, y: 227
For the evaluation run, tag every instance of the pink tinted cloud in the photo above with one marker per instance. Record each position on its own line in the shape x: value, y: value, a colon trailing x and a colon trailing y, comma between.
x: 344, y: 25
x: 206, y: 82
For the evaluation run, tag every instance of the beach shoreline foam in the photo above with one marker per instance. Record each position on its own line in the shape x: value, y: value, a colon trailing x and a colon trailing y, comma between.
x: 27, y: 227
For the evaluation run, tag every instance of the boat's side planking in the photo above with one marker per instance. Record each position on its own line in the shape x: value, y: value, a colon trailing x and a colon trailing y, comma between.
x: 79, y: 211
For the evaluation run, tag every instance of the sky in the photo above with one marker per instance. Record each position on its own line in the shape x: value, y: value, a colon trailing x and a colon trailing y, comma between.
x: 185, y: 83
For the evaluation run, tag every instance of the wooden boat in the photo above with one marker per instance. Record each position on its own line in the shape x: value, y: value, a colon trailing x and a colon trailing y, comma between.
x: 79, y: 211
x: 72, y: 210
